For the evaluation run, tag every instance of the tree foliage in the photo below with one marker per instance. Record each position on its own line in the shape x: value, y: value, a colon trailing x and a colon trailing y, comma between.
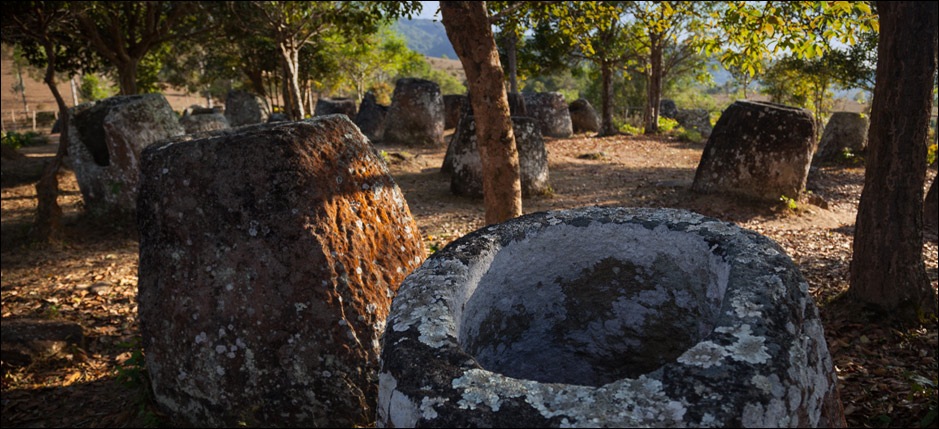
x: 293, y: 26
x: 751, y: 33
x: 129, y: 36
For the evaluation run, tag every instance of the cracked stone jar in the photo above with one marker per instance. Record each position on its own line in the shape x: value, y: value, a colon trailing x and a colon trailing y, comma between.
x: 607, y: 317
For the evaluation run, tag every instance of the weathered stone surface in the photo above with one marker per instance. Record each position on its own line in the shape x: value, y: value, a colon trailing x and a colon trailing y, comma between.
x: 332, y: 106
x: 466, y: 169
x: 845, y: 130
x: 277, y: 117
x: 9, y: 153
x: 758, y: 150
x: 607, y: 317
x: 453, y: 109
x: 24, y: 341
x: 199, y: 120
x: 667, y: 108
x: 268, y: 258
x: 583, y: 117
x: 516, y: 106
x: 244, y: 108
x: 550, y: 109
x: 105, y: 141
x: 416, y: 115
x: 371, y: 118
x: 931, y: 212
x: 695, y: 119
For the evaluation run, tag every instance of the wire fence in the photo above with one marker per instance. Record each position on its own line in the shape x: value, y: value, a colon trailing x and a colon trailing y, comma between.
x: 32, y: 120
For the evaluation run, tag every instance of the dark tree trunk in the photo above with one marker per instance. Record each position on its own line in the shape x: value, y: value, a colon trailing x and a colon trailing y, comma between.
x: 887, y: 269
x: 127, y: 77
x: 654, y: 90
x: 468, y: 28
x: 607, y: 128
x: 48, y: 224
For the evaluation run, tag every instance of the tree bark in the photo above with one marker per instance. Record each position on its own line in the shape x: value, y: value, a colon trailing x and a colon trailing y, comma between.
x: 467, y: 25
x: 293, y: 103
x: 127, y: 76
x: 654, y: 90
x: 48, y: 225
x: 887, y: 270
x: 511, y: 57
x: 607, y: 128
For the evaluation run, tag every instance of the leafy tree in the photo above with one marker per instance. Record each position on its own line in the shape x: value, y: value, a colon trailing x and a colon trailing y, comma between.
x: 129, y: 35
x: 659, y: 25
x: 801, y: 82
x: 469, y: 30
x: 750, y: 33
x: 42, y: 30
x: 598, y: 34
x: 93, y: 87
x: 291, y: 25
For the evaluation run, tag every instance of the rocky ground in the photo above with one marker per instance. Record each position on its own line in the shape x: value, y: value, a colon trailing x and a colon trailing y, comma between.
x: 888, y: 374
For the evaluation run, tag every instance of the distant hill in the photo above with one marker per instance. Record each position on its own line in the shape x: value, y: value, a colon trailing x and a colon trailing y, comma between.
x: 426, y: 36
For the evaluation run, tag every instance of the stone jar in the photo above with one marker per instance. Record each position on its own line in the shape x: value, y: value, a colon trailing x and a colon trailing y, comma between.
x: 607, y: 317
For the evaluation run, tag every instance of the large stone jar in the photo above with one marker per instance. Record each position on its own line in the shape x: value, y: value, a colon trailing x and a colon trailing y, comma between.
x: 268, y: 258
x: 607, y: 317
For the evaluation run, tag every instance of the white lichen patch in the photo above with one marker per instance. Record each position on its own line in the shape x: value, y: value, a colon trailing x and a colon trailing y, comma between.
x: 395, y: 407
x: 748, y: 348
x: 427, y: 406
x: 704, y: 354
x: 628, y: 402
x: 744, y: 306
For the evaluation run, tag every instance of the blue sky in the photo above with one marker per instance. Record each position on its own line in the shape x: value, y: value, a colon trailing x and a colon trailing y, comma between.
x: 428, y: 10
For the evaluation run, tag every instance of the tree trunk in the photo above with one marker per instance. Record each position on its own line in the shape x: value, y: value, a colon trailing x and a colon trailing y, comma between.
x: 127, y: 77
x: 654, y: 89
x: 256, y: 77
x: 887, y: 269
x: 467, y: 25
x: 48, y: 224
x: 293, y: 103
x: 607, y: 128
x: 511, y: 57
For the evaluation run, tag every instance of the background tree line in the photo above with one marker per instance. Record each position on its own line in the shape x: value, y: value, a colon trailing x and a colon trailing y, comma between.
x: 295, y: 49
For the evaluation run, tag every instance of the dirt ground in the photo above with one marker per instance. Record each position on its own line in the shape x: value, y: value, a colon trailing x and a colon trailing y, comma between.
x: 888, y: 374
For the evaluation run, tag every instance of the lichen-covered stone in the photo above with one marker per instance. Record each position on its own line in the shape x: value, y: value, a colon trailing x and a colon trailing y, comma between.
x: 931, y: 212
x: 845, y: 131
x: 244, y: 108
x: 607, y: 317
x: 371, y: 118
x: 268, y: 258
x: 453, y: 109
x: 332, y: 106
x: 758, y: 150
x: 583, y: 117
x: 668, y: 108
x: 466, y: 176
x: 550, y: 109
x: 416, y: 115
x: 695, y: 119
x: 516, y: 107
x: 105, y: 141
x: 200, y: 120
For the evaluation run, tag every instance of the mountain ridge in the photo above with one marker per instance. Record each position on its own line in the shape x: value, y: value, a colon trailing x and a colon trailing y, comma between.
x: 426, y: 36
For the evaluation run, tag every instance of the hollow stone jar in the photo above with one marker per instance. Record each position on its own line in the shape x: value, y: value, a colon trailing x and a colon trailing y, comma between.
x: 607, y: 317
